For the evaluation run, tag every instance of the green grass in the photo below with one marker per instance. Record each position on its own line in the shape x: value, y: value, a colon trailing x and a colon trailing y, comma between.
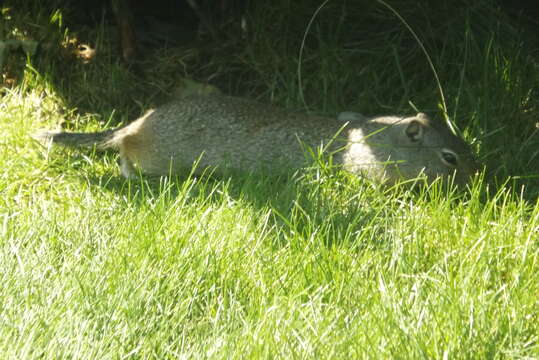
x: 316, y: 265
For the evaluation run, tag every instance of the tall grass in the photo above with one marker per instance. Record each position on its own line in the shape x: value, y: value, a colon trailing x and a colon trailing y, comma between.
x: 316, y: 265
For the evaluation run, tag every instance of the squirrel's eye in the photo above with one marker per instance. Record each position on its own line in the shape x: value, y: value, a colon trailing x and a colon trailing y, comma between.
x: 449, y: 157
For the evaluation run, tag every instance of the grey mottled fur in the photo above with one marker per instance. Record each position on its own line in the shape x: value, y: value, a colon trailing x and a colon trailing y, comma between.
x: 236, y: 133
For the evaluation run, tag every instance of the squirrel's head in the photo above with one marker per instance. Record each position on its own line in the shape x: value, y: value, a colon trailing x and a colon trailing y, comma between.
x: 416, y: 146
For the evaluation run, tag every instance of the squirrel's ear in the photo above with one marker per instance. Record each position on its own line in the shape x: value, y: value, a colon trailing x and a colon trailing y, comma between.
x: 414, y: 131
x: 423, y: 118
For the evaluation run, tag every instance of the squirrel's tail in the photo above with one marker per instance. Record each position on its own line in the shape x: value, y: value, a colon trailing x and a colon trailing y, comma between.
x: 102, y: 139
